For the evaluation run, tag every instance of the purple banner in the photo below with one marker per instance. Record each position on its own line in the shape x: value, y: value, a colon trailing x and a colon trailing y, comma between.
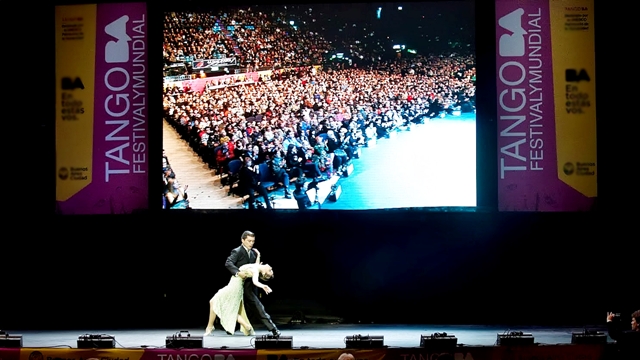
x: 9, y: 354
x: 199, y: 354
x: 527, y: 155
x: 120, y: 130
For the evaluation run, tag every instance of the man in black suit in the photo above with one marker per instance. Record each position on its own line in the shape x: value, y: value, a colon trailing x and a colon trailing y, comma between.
x: 248, y: 183
x: 243, y: 255
x: 628, y: 341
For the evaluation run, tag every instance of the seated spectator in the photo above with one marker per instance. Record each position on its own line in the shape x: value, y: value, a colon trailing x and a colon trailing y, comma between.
x: 175, y: 194
x: 224, y: 155
x: 277, y: 166
x: 334, y: 146
x: 248, y: 183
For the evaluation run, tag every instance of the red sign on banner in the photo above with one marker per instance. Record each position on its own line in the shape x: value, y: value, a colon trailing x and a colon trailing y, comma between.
x: 198, y: 354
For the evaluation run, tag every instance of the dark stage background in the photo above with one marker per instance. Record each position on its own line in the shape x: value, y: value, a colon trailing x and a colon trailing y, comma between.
x: 395, y: 267
x: 98, y: 272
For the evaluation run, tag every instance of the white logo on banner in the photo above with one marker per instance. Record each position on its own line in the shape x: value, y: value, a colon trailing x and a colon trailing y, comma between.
x: 117, y: 51
x: 512, y: 44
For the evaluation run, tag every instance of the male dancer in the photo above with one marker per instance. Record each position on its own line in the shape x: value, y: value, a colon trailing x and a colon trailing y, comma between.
x: 242, y: 255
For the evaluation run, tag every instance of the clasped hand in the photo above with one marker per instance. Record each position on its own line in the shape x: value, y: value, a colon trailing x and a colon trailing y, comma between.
x: 267, y: 289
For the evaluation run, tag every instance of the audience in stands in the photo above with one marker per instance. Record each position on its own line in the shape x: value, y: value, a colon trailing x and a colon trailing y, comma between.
x: 256, y: 39
x: 308, y: 121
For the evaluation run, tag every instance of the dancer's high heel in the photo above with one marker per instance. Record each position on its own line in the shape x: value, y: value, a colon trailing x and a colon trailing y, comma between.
x: 248, y: 331
x: 208, y: 331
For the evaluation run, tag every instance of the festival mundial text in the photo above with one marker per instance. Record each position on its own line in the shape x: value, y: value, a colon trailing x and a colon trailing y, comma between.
x: 521, y: 100
x: 126, y: 106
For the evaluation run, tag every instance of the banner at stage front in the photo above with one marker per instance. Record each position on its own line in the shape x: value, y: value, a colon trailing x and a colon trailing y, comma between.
x: 102, y: 152
x: 80, y: 354
x: 199, y: 354
x: 547, y: 352
x: 319, y: 354
x: 211, y: 64
x: 534, y: 352
x: 9, y: 354
x: 545, y: 66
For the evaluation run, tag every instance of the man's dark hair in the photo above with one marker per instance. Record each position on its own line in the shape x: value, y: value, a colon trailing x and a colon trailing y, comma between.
x: 246, y: 234
x: 636, y: 315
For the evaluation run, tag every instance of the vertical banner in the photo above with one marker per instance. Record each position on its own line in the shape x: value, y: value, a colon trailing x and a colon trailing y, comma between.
x: 545, y: 63
x: 101, y: 108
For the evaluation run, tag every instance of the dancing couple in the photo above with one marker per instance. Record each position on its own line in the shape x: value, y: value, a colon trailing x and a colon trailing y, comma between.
x: 239, y: 298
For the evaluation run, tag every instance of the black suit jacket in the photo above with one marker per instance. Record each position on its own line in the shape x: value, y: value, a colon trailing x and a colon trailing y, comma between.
x: 237, y: 258
x: 628, y: 341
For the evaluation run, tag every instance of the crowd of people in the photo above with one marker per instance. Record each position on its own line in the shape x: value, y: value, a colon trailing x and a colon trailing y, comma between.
x: 269, y: 42
x: 257, y: 39
x: 316, y: 120
x: 192, y: 36
x: 302, y: 121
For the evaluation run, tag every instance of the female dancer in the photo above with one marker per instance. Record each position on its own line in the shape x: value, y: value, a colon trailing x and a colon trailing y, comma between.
x: 227, y: 302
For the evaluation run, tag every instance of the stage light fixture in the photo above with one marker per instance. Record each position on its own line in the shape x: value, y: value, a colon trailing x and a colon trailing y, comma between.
x: 439, y: 342
x: 273, y: 342
x: 10, y: 341
x: 589, y: 337
x: 364, y: 341
x: 183, y: 340
x: 515, y: 338
x: 96, y: 341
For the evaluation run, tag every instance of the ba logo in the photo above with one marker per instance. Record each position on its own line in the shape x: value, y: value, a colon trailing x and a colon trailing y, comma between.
x: 512, y: 44
x: 70, y: 84
x: 117, y: 51
x: 63, y: 173
x: 568, y: 168
x: 573, y: 75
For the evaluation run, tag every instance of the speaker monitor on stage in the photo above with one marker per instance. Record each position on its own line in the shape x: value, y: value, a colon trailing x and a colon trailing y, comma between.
x: 184, y: 340
x: 439, y: 342
x: 273, y: 342
x: 364, y: 342
x: 10, y: 341
x: 96, y: 341
x: 515, y: 338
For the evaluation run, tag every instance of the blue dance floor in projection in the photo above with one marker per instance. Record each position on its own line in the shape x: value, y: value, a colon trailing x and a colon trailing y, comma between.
x: 431, y: 165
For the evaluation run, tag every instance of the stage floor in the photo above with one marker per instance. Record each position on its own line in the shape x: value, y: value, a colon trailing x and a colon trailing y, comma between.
x: 313, y: 336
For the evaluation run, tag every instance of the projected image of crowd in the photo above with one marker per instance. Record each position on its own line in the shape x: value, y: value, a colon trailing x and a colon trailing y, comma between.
x: 299, y: 99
